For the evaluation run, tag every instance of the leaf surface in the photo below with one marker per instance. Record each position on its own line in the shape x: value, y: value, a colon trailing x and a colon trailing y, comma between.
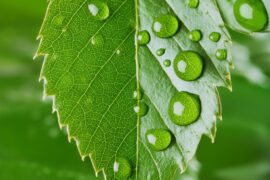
x: 92, y: 68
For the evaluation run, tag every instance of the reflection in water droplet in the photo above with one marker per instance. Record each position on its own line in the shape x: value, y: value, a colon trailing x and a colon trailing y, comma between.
x: 167, y: 62
x: 158, y: 139
x: 214, y: 36
x: 142, y: 109
x: 160, y: 51
x: 221, y: 54
x: 121, y: 168
x: 99, y: 10
x: 188, y: 65
x: 137, y: 95
x: 251, y: 14
x: 193, y: 3
x: 143, y: 38
x: 195, y: 35
x: 184, y: 108
x: 165, y: 26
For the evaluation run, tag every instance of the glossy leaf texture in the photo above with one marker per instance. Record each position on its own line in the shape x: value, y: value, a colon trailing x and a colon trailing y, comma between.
x: 254, y: 14
x: 93, y: 66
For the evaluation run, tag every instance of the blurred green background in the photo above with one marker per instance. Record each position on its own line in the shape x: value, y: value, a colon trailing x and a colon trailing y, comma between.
x: 33, y: 147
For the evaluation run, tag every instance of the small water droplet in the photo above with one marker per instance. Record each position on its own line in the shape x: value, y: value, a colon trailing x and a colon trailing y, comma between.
x: 160, y: 51
x: 214, y: 36
x: 97, y: 40
x: 251, y: 14
x: 195, y: 35
x: 58, y: 20
x: 99, y: 10
x: 158, y: 139
x: 184, y: 108
x: 167, y: 62
x: 118, y: 52
x: 221, y: 54
x: 121, y: 168
x: 137, y: 95
x: 193, y: 3
x: 165, y: 26
x: 188, y: 65
x: 143, y: 38
x: 142, y: 109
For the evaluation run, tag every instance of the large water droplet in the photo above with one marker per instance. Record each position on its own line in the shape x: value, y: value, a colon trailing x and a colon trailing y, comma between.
x: 184, y: 108
x: 195, y: 35
x: 160, y: 51
x: 251, y: 14
x: 99, y: 10
x: 214, y: 36
x: 188, y: 65
x: 143, y: 38
x: 122, y: 168
x: 221, y: 54
x: 193, y: 3
x: 158, y: 139
x: 165, y: 26
x: 141, y: 109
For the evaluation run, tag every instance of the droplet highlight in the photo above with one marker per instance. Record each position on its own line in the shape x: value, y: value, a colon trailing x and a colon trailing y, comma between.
x: 193, y: 3
x: 214, y: 36
x: 165, y: 26
x: 122, y: 168
x: 137, y: 95
x: 98, y: 10
x: 221, y: 54
x: 251, y: 14
x: 141, y: 109
x: 188, y: 65
x: 195, y: 35
x: 143, y: 38
x: 160, y: 51
x: 184, y: 108
x: 158, y: 139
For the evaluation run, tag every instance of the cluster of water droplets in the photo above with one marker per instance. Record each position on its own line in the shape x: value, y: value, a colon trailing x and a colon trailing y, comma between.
x: 184, y: 108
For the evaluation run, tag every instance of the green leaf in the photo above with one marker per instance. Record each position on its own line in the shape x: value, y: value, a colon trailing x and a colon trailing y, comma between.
x: 227, y: 9
x: 92, y: 67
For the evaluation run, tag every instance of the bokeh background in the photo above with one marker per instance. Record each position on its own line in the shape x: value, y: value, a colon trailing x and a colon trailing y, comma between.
x: 33, y: 147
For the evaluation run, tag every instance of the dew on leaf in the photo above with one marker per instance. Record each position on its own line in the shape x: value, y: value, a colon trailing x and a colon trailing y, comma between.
x: 167, y: 62
x: 137, y: 95
x: 97, y: 40
x: 58, y: 20
x: 158, y: 139
x: 143, y: 38
x: 251, y: 14
x: 141, y: 109
x: 193, y: 3
x: 184, y: 108
x: 195, y: 35
x: 188, y: 65
x: 160, y: 51
x: 98, y: 10
x: 221, y: 54
x: 165, y: 26
x: 121, y: 168
x: 214, y: 36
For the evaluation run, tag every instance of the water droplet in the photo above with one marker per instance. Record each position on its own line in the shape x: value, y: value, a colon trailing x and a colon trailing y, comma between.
x: 184, y: 108
x: 195, y: 35
x: 58, y: 20
x: 137, y: 95
x: 193, y: 3
x: 214, y: 36
x: 158, y: 139
x: 99, y: 10
x: 118, y: 52
x: 143, y: 38
x: 160, y: 51
x: 121, y: 168
x: 221, y: 54
x: 188, y: 65
x: 251, y: 14
x: 97, y: 40
x: 142, y: 109
x: 167, y: 62
x: 165, y: 26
